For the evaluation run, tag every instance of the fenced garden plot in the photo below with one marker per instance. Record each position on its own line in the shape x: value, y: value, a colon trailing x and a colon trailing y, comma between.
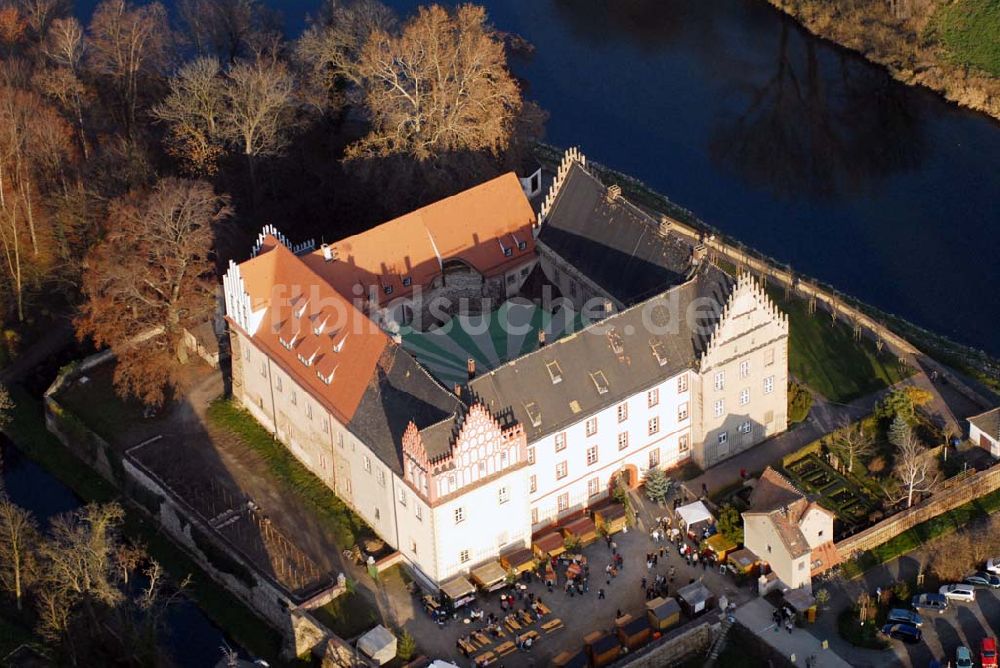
x: 852, y: 502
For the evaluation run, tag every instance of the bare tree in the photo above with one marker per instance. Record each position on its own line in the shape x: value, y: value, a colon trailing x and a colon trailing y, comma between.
x: 194, y: 111
x: 39, y: 14
x: 6, y: 407
x: 18, y: 539
x: 129, y: 43
x: 441, y: 85
x: 329, y: 51
x: 229, y: 29
x: 852, y: 442
x: 914, y: 470
x: 259, y: 108
x: 151, y: 277
x: 64, y: 48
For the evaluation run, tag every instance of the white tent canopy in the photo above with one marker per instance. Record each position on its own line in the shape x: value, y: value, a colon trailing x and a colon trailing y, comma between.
x: 379, y: 644
x: 693, y: 513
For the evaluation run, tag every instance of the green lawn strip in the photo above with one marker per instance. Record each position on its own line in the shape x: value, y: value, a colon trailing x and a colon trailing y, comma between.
x: 27, y: 430
x: 909, y: 540
x: 969, y: 30
x: 288, y: 473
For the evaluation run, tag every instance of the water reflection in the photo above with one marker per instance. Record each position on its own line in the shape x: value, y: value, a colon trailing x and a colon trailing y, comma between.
x: 821, y: 130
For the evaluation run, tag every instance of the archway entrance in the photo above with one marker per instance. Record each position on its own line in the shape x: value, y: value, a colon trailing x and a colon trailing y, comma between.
x: 629, y: 476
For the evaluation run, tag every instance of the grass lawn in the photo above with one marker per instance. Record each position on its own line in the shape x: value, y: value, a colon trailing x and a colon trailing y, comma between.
x: 969, y: 30
x: 348, y: 616
x: 288, y: 473
x: 825, y: 356
x: 27, y: 430
x: 98, y: 407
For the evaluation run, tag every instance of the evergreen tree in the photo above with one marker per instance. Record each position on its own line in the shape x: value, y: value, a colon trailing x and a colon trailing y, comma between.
x: 899, y: 430
x: 657, y: 485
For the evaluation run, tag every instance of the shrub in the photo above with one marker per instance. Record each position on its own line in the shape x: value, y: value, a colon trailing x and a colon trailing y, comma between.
x: 902, y: 592
x: 860, y: 635
x: 799, y: 402
x: 406, y: 646
x: 731, y: 524
x: 877, y: 464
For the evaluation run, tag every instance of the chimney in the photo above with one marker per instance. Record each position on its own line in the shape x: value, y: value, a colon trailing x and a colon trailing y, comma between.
x: 608, y: 307
x: 541, y: 338
x: 327, y: 252
x: 471, y: 366
x: 613, y: 193
x: 700, y: 253
x: 664, y: 226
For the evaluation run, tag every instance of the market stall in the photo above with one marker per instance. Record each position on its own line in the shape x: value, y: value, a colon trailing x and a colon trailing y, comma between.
x: 634, y: 632
x: 663, y: 613
x: 611, y: 519
x: 519, y: 561
x: 458, y: 591
x: 743, y: 562
x: 490, y: 576
x: 549, y: 545
x: 695, y: 598
x: 570, y: 659
x: 582, y: 530
x: 602, y: 648
x: 695, y: 519
x: 720, y: 546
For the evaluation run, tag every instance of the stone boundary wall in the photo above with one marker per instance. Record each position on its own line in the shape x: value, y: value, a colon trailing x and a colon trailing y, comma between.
x: 302, y: 633
x: 957, y: 491
x: 677, y: 645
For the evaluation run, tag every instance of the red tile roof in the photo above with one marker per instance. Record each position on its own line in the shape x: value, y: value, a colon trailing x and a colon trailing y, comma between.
x: 310, y: 331
x: 474, y: 226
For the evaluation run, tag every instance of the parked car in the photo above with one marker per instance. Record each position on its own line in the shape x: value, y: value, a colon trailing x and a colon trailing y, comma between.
x: 983, y: 579
x: 959, y: 592
x: 905, y: 632
x: 988, y: 653
x: 929, y: 601
x: 901, y: 616
x: 963, y: 657
x: 993, y: 565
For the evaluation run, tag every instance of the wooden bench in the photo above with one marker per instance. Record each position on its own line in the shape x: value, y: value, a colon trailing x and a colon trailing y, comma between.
x: 481, y: 638
x: 552, y: 625
x: 511, y: 622
x: 532, y: 635
x: 505, y: 649
x: 467, y: 647
x: 484, y: 659
x: 541, y: 608
x: 525, y: 617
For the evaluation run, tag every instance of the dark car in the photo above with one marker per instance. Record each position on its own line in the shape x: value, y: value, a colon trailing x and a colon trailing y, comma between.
x: 901, y: 616
x: 930, y: 601
x: 983, y: 579
x: 905, y: 632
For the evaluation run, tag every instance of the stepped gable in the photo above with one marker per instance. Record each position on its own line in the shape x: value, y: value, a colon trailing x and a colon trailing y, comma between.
x: 606, y: 362
x: 489, y: 227
x: 611, y: 241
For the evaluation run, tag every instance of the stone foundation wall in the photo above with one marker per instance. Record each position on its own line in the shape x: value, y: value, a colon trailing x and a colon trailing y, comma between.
x: 677, y: 646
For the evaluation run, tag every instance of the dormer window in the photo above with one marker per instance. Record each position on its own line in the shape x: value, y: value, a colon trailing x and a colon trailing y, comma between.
x: 387, y: 289
x: 600, y: 381
x: 407, y: 281
x: 339, y: 345
x: 522, y: 245
x: 299, y: 310
x: 507, y: 251
x: 320, y: 326
x: 658, y: 352
x: 328, y: 378
x: 555, y: 373
x: 288, y: 343
x: 534, y: 414
x: 307, y: 360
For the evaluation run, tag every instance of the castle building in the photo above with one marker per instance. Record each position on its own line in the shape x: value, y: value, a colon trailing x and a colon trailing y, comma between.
x: 673, y: 360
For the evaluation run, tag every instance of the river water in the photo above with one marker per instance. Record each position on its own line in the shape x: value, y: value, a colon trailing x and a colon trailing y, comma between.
x: 798, y: 148
x: 192, y: 639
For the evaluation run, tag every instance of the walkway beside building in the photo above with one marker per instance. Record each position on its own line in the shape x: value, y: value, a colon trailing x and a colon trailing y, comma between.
x: 800, y: 644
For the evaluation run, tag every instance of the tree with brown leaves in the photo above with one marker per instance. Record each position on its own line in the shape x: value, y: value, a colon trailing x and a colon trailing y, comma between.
x: 442, y: 85
x: 149, y: 279
x: 193, y: 112
x: 128, y: 44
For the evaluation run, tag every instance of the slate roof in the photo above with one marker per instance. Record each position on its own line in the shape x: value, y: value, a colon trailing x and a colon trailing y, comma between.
x: 615, y: 244
x: 785, y: 506
x: 988, y: 422
x: 620, y: 348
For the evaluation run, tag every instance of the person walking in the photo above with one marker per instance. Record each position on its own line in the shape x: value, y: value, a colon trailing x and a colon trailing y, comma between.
x: 600, y: 593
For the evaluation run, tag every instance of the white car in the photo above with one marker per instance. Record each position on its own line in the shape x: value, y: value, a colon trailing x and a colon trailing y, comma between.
x: 959, y: 592
x: 993, y: 566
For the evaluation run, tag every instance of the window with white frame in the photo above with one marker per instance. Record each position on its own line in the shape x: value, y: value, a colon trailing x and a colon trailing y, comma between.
x: 380, y: 476
x: 591, y: 455
x: 653, y: 397
x: 682, y: 412
x: 769, y: 385
x: 622, y: 412
x: 326, y: 425
x: 623, y: 440
x: 309, y: 411
x: 563, y: 502
x: 459, y: 515
x: 682, y: 383
x: 654, y: 458
x: 719, y: 407
x: 744, y: 396
x: 746, y: 427
x: 562, y: 470
x: 295, y: 399
x: 263, y: 368
x: 682, y: 443
x: 402, y: 496
x: 532, y: 484
x: 534, y: 515
x: 723, y: 437
x: 368, y: 464
x: 417, y: 512
x: 560, y: 441
x: 593, y: 487
x: 340, y: 438
x: 744, y: 368
x: 531, y: 455
x: 654, y: 425
x: 277, y: 383
x: 463, y: 556
x: 246, y: 353
x: 503, y: 494
x: 591, y: 426
x: 720, y: 380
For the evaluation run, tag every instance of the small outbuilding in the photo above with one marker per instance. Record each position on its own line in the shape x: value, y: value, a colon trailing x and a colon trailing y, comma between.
x: 611, y: 518
x: 634, y: 632
x: 379, y: 645
x: 570, y: 659
x: 984, y: 431
x: 695, y: 598
x: 582, y: 529
x: 602, y: 648
x: 519, y: 561
x: 743, y: 562
x: 720, y: 546
x: 663, y: 613
x: 549, y: 545
x: 459, y: 591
